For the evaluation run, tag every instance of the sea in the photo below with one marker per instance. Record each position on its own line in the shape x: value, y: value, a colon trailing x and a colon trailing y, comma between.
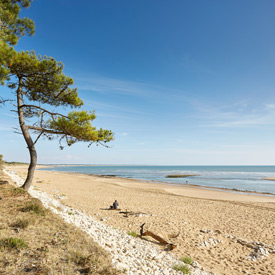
x: 243, y: 178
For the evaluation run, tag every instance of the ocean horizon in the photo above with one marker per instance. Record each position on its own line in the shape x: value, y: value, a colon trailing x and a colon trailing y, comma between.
x: 241, y: 177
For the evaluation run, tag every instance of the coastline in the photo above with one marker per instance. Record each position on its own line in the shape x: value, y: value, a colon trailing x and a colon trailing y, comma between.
x: 192, y: 190
x: 211, y: 226
x: 246, y: 189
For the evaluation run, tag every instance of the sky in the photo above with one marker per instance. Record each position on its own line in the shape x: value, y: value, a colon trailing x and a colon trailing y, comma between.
x: 178, y: 82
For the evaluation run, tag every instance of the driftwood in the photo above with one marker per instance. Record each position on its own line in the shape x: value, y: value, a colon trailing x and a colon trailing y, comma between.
x: 170, y: 246
x: 131, y: 213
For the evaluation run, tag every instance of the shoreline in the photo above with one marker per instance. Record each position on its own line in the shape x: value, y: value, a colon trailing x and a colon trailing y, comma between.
x: 163, y: 184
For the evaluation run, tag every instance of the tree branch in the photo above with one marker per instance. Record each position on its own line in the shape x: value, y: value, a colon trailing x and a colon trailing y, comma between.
x: 42, y: 109
x: 38, y: 137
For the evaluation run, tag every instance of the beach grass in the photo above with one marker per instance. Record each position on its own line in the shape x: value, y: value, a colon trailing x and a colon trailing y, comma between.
x: 183, y: 268
x: 35, y: 241
x: 187, y: 260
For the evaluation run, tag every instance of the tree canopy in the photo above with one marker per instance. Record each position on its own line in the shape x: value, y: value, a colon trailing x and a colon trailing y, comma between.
x: 12, y: 27
x: 40, y: 80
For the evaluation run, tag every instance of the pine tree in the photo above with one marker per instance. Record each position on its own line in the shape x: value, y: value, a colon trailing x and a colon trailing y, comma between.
x: 39, y: 86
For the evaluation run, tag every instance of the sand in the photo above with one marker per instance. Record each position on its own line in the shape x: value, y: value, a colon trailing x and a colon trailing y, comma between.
x: 190, y: 214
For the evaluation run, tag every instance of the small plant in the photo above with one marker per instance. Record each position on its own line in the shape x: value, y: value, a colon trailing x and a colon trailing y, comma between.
x: 187, y: 260
x: 183, y: 268
x: 21, y: 224
x: 18, y: 191
x: 133, y: 234
x: 34, y: 207
x: 78, y: 258
x: 12, y: 243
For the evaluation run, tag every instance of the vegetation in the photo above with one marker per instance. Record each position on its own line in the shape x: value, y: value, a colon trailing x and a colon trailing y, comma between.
x: 38, y: 81
x: 34, y: 207
x: 12, y: 243
x: 21, y: 223
x: 183, y: 268
x: 15, y: 162
x: 12, y: 27
x: 35, y: 244
x: 180, y: 176
x: 133, y: 234
x: 187, y: 260
x: 1, y: 161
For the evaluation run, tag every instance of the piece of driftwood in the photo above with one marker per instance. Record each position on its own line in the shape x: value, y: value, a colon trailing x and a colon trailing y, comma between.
x: 170, y: 246
x: 131, y: 213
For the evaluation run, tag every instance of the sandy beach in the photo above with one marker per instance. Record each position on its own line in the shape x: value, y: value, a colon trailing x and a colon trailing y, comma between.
x: 216, y: 228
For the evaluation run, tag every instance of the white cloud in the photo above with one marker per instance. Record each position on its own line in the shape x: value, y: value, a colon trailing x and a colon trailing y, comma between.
x: 237, y: 115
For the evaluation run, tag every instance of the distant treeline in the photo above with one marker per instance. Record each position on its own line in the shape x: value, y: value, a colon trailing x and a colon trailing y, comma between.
x: 15, y: 162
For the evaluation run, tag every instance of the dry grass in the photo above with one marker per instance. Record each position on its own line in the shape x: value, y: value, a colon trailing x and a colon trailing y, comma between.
x: 35, y: 241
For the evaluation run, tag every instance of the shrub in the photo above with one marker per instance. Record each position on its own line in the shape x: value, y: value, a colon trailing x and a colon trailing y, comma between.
x: 18, y: 191
x: 133, y: 234
x: 183, y: 268
x: 34, y: 207
x: 187, y: 260
x: 21, y: 224
x: 78, y: 258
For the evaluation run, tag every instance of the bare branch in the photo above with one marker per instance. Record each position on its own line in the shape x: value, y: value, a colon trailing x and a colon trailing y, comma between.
x: 42, y: 109
x: 38, y: 137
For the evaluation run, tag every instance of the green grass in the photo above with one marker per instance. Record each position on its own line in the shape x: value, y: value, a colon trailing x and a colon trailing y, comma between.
x: 133, y: 234
x: 34, y: 207
x: 187, y: 260
x: 183, y: 268
x: 12, y: 243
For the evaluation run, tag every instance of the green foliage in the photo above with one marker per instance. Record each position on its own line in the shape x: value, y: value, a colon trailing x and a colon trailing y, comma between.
x: 183, y: 268
x: 12, y: 27
x: 133, y: 234
x: 187, y: 260
x: 42, y: 81
x: 77, y: 125
x: 12, y: 243
x: 34, y: 207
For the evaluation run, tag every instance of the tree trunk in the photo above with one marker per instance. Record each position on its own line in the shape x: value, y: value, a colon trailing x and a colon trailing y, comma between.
x: 27, y: 137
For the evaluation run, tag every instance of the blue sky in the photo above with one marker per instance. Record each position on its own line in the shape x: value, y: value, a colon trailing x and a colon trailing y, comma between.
x: 179, y: 82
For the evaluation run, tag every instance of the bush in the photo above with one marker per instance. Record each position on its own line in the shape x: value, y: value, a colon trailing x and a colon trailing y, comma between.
x: 183, y: 268
x: 187, y: 260
x: 34, y: 207
x: 21, y: 224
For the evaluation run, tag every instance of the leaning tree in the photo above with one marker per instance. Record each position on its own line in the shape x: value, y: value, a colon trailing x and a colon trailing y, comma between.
x: 39, y: 87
